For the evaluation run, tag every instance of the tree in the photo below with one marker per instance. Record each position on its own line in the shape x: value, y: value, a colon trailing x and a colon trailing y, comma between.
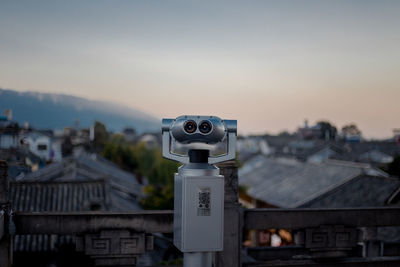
x: 328, y: 131
x: 122, y: 155
x: 350, y: 130
x: 145, y: 162
x: 66, y: 146
x: 160, y: 192
x: 100, y: 135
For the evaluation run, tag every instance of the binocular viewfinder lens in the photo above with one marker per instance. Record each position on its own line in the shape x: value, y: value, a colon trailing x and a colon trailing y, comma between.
x: 205, y: 127
x: 190, y: 127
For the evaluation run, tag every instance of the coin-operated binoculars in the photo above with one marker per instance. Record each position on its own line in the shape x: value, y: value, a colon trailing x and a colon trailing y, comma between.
x: 199, y: 187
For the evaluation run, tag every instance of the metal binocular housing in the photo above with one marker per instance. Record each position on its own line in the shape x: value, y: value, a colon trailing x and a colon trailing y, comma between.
x: 189, y: 129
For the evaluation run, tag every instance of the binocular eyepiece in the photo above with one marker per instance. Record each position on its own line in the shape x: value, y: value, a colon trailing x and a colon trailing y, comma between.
x: 198, y: 129
x: 201, y: 129
x: 190, y: 126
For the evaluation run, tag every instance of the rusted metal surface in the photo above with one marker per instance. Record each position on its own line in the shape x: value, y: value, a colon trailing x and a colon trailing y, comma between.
x: 92, y: 222
x: 305, y: 218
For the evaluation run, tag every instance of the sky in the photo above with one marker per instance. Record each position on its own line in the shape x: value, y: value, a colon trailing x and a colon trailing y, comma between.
x: 268, y: 64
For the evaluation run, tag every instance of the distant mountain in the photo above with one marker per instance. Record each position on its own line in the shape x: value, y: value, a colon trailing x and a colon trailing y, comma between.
x: 56, y: 111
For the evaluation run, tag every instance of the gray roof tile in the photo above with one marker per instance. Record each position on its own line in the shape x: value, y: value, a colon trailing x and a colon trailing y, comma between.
x: 289, y: 183
x: 363, y: 191
x: 75, y: 184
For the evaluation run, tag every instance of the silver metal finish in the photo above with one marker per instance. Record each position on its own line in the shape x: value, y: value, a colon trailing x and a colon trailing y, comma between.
x: 166, y: 149
x: 199, y: 188
x: 231, y: 153
x: 217, y: 133
x: 198, y: 208
x: 220, y: 130
x: 197, y: 259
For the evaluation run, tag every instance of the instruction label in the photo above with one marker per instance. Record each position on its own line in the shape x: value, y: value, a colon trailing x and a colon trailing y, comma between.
x: 204, y: 205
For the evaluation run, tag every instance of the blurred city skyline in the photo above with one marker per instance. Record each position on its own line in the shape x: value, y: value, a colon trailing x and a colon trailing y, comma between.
x: 270, y: 65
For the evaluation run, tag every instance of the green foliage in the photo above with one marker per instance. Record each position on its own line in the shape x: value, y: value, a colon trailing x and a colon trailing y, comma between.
x: 121, y: 154
x: 159, y: 197
x: 145, y: 162
x: 160, y: 173
x: 239, y: 164
x: 328, y: 131
x: 351, y: 129
x: 243, y: 189
x: 100, y: 135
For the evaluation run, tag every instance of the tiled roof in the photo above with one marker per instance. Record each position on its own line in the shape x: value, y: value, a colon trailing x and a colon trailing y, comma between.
x: 40, y: 243
x: 355, y: 150
x: 289, y: 183
x: 58, y: 196
x: 54, y: 196
x: 124, y: 193
x: 363, y: 191
x: 74, y: 184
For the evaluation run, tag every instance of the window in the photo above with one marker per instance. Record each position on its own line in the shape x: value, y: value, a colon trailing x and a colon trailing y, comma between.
x: 42, y: 147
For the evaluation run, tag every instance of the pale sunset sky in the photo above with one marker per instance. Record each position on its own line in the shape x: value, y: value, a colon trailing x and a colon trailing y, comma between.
x: 268, y: 64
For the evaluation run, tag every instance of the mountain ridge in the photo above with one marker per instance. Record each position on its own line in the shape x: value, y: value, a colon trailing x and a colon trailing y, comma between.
x: 56, y: 111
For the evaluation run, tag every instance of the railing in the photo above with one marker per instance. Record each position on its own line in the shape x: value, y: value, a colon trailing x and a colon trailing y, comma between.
x: 322, y: 237
x: 301, y: 218
x: 109, y: 238
x: 83, y: 222
x: 326, y: 237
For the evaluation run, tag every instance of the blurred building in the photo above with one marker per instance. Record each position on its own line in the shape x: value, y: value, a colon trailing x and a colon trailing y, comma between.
x: 150, y: 140
x: 86, y: 183
x: 10, y: 132
x: 396, y: 135
x: 289, y: 183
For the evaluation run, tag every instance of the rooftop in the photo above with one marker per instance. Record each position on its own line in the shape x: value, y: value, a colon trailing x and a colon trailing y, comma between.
x: 289, y: 183
x: 124, y: 189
